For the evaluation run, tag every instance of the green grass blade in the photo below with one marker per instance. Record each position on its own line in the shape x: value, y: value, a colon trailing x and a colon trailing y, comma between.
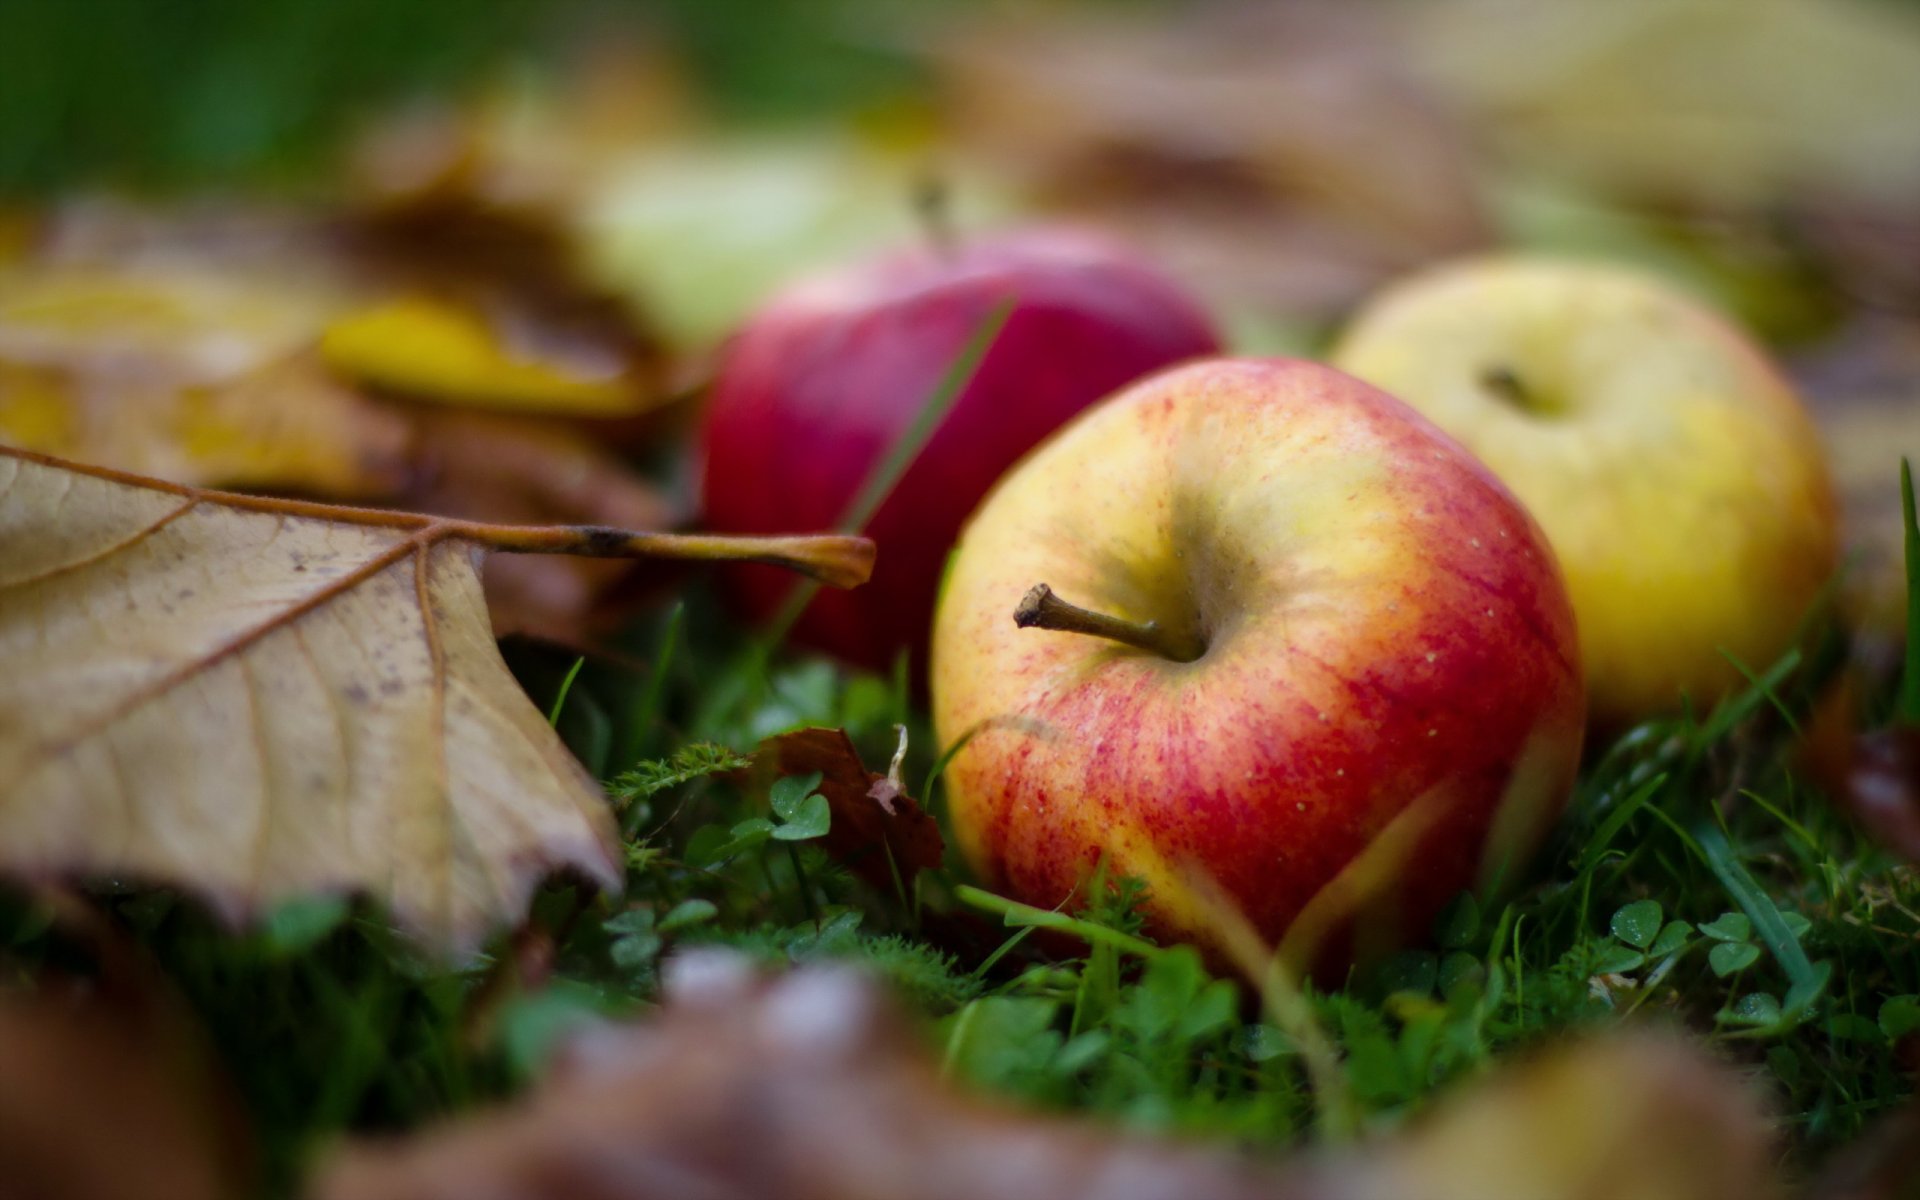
x: 1616, y: 821
x: 649, y: 709
x: 1736, y: 709
x: 566, y: 685
x: 1910, y: 682
x: 887, y: 472
x: 751, y: 664
x: 1753, y: 900
x: 908, y: 445
x: 1016, y: 914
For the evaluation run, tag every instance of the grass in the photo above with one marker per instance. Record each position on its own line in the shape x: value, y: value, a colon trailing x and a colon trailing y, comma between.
x: 1697, y: 880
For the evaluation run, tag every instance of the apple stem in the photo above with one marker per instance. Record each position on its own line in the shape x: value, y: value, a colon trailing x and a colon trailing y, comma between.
x: 933, y: 204
x: 1041, y: 609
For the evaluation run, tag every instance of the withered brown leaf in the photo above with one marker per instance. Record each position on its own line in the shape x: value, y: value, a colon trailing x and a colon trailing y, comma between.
x: 252, y: 699
x: 809, y: 1086
x: 109, y: 1087
x: 196, y: 375
x: 518, y: 470
x: 877, y: 829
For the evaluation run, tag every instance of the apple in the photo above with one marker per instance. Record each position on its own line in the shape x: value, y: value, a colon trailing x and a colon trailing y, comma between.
x: 1676, y: 474
x: 1296, y: 641
x: 817, y: 388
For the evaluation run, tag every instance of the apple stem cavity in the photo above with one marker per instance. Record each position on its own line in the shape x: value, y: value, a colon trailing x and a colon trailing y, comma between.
x: 1041, y: 609
x: 1504, y: 383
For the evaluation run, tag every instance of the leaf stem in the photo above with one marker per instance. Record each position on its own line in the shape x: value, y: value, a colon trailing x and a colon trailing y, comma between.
x: 838, y: 560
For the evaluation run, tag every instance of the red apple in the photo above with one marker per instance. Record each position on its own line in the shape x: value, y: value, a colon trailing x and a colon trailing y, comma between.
x: 818, y: 387
x: 1338, y: 675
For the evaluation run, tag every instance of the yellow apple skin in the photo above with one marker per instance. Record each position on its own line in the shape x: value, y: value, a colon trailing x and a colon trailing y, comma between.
x: 1388, y: 708
x: 1677, y: 476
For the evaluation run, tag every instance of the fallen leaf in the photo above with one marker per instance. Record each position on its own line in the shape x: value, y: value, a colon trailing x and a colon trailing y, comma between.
x: 190, y: 375
x: 481, y: 307
x: 108, y: 1087
x: 252, y: 699
x: 690, y: 227
x: 1879, y: 1165
x: 1863, y: 390
x: 173, y: 344
x: 1737, y: 105
x: 515, y: 470
x: 439, y: 349
x: 808, y: 1085
x: 1879, y: 784
x: 1629, y: 1116
x: 877, y: 830
x: 1280, y: 158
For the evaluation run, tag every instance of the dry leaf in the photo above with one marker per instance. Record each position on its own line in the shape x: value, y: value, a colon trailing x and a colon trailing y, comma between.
x: 876, y: 830
x: 479, y: 307
x: 253, y: 699
x: 1630, y: 1116
x: 190, y: 375
x: 441, y: 349
x: 514, y: 470
x: 808, y: 1086
x: 108, y: 1087
x: 1277, y: 157
x: 175, y: 344
x: 1881, y: 1164
x: 1879, y: 784
x: 1733, y: 104
x: 1864, y: 393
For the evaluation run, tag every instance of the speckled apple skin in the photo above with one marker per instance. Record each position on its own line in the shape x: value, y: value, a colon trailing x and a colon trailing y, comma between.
x: 1389, y: 709
x: 817, y: 387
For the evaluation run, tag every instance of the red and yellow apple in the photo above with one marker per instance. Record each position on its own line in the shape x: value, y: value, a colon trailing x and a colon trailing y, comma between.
x: 1339, y: 676
x: 816, y: 389
x: 1676, y: 475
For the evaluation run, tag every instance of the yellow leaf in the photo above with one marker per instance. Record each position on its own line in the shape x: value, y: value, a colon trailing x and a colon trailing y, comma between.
x: 437, y: 350
x: 188, y: 375
x: 252, y: 699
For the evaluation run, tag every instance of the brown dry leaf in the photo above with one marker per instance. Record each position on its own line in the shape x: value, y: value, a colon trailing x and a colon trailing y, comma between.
x: 108, y: 1087
x: 809, y: 1086
x: 1864, y: 393
x: 1879, y: 783
x: 877, y: 829
x: 515, y: 470
x: 188, y: 374
x: 1882, y: 1164
x: 170, y: 343
x: 1280, y: 158
x: 610, y: 150
x: 1630, y: 1116
x: 1737, y: 105
x: 253, y: 699
x: 482, y: 307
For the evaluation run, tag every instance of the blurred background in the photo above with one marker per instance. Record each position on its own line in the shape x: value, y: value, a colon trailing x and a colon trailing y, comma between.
x: 634, y: 177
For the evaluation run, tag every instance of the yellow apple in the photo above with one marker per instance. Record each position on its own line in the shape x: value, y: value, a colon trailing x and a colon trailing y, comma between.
x: 1672, y: 467
x: 1299, y: 645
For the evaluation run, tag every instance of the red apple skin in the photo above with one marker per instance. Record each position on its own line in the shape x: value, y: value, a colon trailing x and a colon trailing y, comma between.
x: 818, y: 386
x: 1389, y: 709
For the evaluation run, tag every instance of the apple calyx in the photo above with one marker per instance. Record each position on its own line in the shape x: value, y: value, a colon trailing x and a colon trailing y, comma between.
x: 1041, y: 609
